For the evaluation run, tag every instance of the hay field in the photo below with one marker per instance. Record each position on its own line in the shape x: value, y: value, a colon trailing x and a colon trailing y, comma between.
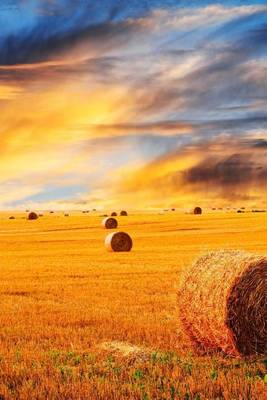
x: 78, y: 322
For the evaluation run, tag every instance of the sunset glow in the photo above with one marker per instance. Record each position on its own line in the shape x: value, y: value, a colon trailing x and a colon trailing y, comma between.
x: 103, y: 105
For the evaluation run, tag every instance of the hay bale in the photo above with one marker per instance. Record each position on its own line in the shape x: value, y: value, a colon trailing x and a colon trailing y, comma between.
x: 223, y: 302
x: 123, y: 213
x: 118, y: 242
x: 197, y: 211
x: 32, y: 215
x: 110, y: 223
x: 66, y: 215
x: 113, y: 214
x: 11, y: 217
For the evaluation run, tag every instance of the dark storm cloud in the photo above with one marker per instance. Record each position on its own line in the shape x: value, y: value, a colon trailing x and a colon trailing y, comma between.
x: 261, y: 143
x: 235, y: 170
x: 228, y: 168
x: 223, y: 169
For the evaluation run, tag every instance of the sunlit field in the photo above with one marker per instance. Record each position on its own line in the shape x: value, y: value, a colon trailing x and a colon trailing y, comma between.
x: 79, y: 322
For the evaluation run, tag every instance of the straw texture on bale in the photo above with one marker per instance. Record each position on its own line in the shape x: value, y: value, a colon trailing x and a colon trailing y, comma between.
x: 197, y: 211
x: 110, y: 223
x: 114, y: 214
x: 123, y: 213
x: 223, y: 303
x: 118, y: 241
x: 32, y: 215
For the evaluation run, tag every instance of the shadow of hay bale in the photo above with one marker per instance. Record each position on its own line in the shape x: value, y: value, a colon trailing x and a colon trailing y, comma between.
x: 222, y: 303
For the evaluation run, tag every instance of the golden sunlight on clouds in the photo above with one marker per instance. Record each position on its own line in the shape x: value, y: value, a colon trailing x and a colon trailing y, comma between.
x: 46, y: 123
x: 224, y: 171
x: 8, y: 92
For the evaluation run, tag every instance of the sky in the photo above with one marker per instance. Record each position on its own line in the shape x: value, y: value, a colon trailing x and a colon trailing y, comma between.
x: 133, y: 103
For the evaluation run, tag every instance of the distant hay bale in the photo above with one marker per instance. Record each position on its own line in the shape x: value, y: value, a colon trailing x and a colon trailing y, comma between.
x: 197, y: 211
x: 110, y: 223
x: 51, y: 212
x: 114, y: 214
x: 66, y: 215
x: 11, y: 217
x: 32, y: 215
x: 118, y: 242
x: 123, y: 213
x: 223, y: 301
x: 41, y: 215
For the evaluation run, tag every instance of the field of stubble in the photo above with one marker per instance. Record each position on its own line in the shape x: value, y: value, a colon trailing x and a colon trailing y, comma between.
x: 78, y: 322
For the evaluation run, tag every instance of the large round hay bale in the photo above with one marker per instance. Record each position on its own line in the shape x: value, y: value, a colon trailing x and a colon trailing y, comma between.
x: 123, y: 213
x: 110, y: 223
x: 118, y: 242
x: 12, y: 217
x: 113, y: 214
x: 223, y: 303
x: 197, y: 211
x: 32, y: 215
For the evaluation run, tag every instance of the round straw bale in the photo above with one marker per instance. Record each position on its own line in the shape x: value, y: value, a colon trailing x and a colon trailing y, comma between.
x: 123, y: 213
x: 114, y: 214
x: 223, y: 303
x: 118, y: 241
x: 12, y: 217
x: 32, y: 215
x: 197, y: 210
x: 110, y: 223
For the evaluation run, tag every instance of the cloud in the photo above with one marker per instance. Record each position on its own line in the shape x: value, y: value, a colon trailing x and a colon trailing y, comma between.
x: 220, y: 170
x: 125, y: 100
